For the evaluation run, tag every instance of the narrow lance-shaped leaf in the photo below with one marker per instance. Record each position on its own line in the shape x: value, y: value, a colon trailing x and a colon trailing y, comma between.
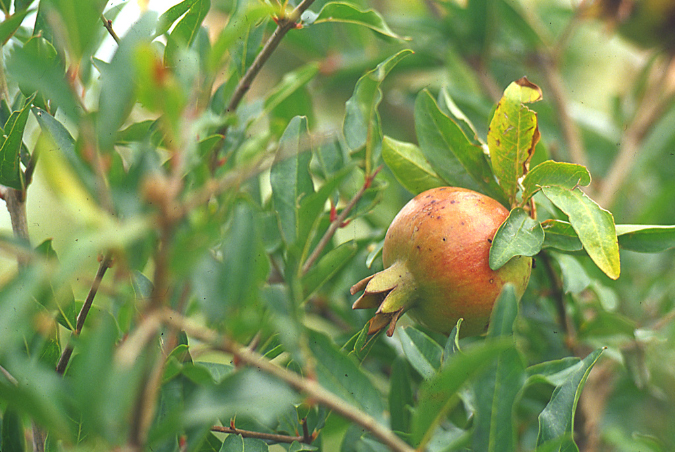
x: 401, y: 397
x: 513, y: 134
x: 557, y: 419
x: 498, y: 387
x: 362, y: 121
x: 409, y: 166
x: 594, y: 226
x: 186, y: 29
x: 290, y: 178
x: 327, y: 266
x: 422, y: 352
x: 519, y: 235
x: 646, y: 238
x: 346, y: 13
x: 566, y: 175
x: 452, y: 156
x: 10, y: 170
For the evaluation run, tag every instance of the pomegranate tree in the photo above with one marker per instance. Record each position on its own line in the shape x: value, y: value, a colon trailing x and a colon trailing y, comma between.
x: 435, y: 255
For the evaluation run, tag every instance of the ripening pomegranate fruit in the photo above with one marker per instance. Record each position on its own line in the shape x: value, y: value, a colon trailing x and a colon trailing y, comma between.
x: 435, y: 256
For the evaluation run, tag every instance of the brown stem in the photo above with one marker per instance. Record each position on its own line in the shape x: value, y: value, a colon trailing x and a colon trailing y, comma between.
x: 84, y: 311
x: 108, y: 26
x: 260, y: 435
x: 559, y: 298
x: 339, y: 220
x: 651, y: 106
x: 307, y: 386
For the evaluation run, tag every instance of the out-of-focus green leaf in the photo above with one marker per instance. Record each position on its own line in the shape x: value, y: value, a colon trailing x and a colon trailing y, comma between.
x: 566, y: 175
x: 81, y: 24
x: 423, y: 353
x: 10, y: 170
x: 519, y: 235
x: 117, y: 83
x: 409, y: 166
x: 290, y: 178
x: 347, y: 13
x: 246, y: 47
x: 513, y: 134
x: 185, y: 31
x: 330, y: 156
x: 13, y: 437
x: 575, y: 279
x: 401, y: 399
x: 645, y: 238
x: 245, y: 393
x: 341, y: 375
x: 557, y: 419
x: 453, y: 157
x: 605, y: 324
x: 290, y: 83
x: 497, y: 389
x: 171, y: 15
x: 560, y: 235
x: 326, y: 267
x: 362, y: 121
x: 37, y: 67
x: 593, y: 224
x: 438, y: 395
x: 11, y: 24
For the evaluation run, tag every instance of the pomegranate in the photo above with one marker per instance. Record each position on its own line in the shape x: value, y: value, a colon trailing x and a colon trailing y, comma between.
x: 436, y: 264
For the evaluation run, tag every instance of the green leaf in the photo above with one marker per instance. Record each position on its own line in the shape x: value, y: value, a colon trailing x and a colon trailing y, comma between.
x: 327, y: 266
x: 346, y: 13
x: 557, y: 419
x: 237, y: 443
x: 513, y: 134
x: 401, y: 398
x: 81, y: 23
x: 171, y: 15
x: 560, y: 235
x: 497, y: 389
x: 519, y: 235
x: 452, y: 344
x: 594, y: 226
x: 185, y: 31
x: 453, y: 157
x: 11, y: 24
x: 10, y: 170
x: 566, y: 175
x: 290, y: 178
x: 37, y: 67
x: 409, y: 166
x: 574, y: 276
x: 362, y: 121
x: 423, y: 353
x: 290, y: 83
x: 13, y: 436
x: 646, y: 238
x: 438, y: 395
x: 553, y: 372
x: 117, y: 83
x: 341, y: 375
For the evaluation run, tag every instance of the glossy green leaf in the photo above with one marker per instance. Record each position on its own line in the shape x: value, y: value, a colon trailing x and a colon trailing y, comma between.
x: 10, y: 170
x: 566, y: 175
x: 11, y: 23
x: 237, y: 443
x: 646, y: 238
x: 340, y: 374
x: 117, y: 83
x: 519, y: 235
x: 557, y: 419
x: 347, y: 13
x: 497, y: 388
x: 362, y: 121
x: 452, y: 344
x: 560, y: 235
x: 327, y: 267
x: 401, y: 399
x: 513, y: 134
x: 553, y: 372
x: 37, y: 67
x: 409, y: 166
x: 593, y: 224
x: 185, y: 31
x: 438, y: 395
x: 453, y: 157
x: 422, y: 352
x: 290, y: 177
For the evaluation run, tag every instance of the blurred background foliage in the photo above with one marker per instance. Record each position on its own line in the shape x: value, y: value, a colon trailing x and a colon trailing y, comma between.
x: 144, y: 160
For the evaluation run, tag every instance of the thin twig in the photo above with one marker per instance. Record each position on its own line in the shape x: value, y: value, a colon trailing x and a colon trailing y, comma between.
x: 339, y: 220
x: 8, y: 376
x: 84, y: 311
x: 313, y: 389
x: 651, y: 106
x: 108, y: 26
x: 260, y: 435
